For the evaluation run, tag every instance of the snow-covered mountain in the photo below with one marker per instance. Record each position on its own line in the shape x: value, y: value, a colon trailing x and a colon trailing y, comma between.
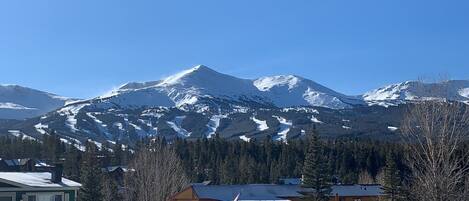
x: 454, y: 90
x: 291, y: 90
x: 199, y: 84
x: 201, y: 103
x: 17, y: 102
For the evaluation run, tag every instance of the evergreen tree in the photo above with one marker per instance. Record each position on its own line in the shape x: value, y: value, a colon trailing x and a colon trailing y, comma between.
x: 72, y: 163
x: 90, y: 175
x: 392, y: 178
x: 315, y: 172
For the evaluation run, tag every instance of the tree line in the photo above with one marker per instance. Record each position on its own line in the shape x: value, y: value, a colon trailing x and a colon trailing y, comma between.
x: 430, y: 163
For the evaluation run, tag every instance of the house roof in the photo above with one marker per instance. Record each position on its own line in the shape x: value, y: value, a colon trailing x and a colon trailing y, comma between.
x: 247, y: 192
x: 357, y: 190
x: 276, y: 192
x: 35, y: 180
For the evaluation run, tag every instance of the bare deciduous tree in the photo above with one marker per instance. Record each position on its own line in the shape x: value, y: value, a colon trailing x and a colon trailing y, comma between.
x: 434, y: 132
x: 364, y: 177
x: 157, y: 174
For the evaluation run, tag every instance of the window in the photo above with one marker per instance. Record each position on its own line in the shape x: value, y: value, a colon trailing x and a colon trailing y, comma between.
x: 6, y: 198
x: 31, y: 198
x: 58, y: 198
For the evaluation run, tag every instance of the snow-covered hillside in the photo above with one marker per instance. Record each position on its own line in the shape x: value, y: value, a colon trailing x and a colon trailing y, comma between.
x: 290, y: 90
x: 17, y: 102
x: 190, y: 86
x: 202, y: 103
x: 455, y: 90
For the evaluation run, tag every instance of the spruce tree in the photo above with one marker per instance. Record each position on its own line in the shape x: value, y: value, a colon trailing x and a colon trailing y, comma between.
x: 392, y: 178
x: 90, y: 175
x: 315, y: 173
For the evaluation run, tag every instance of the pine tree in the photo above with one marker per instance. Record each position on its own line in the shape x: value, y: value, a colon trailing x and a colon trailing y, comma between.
x: 90, y: 175
x: 315, y: 172
x: 392, y: 178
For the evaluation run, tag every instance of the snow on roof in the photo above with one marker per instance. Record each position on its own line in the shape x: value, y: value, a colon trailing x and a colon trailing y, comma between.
x: 36, y: 179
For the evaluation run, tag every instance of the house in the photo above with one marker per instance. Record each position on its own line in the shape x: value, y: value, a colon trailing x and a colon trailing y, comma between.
x: 37, y: 186
x: 22, y: 164
x: 272, y: 192
x: 117, y: 173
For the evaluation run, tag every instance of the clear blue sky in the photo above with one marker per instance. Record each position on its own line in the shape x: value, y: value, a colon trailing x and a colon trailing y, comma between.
x: 84, y: 48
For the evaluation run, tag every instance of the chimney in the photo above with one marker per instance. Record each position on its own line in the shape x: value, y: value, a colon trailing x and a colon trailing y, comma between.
x: 56, y: 173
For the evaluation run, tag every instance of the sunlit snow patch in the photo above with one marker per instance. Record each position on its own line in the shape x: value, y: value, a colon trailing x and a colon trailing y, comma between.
x: 70, y: 112
x: 213, y: 124
x: 14, y: 106
x: 18, y: 133
x: 40, y: 128
x: 464, y: 92
x: 244, y: 138
x: 261, y: 125
x: 101, y: 126
x: 176, y: 125
x: 315, y: 120
x: 392, y: 128
x: 283, y: 130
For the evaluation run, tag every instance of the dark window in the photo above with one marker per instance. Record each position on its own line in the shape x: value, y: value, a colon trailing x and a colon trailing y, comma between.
x: 58, y: 198
x: 31, y: 198
x: 6, y: 198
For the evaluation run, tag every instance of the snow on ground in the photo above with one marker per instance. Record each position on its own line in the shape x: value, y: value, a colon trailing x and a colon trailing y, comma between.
x: 40, y: 128
x: 76, y: 143
x: 300, y: 109
x: 244, y: 138
x: 176, y: 125
x: 154, y: 129
x: 464, y: 92
x: 267, y: 83
x: 346, y: 127
x: 18, y: 133
x: 14, y: 106
x: 70, y: 112
x: 392, y: 128
x: 303, y: 132
x: 285, y: 126
x: 101, y: 126
x: 213, y: 124
x: 315, y: 120
x: 261, y: 125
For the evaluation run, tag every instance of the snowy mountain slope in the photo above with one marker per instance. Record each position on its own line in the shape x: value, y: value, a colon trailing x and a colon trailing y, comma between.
x: 201, y: 85
x: 455, y: 90
x: 17, y: 102
x: 202, y: 103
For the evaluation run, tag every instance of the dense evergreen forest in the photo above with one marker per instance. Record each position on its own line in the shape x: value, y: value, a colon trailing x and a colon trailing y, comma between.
x: 228, y: 162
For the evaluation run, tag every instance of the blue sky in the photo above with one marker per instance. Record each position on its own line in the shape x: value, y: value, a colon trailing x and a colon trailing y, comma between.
x: 85, y: 48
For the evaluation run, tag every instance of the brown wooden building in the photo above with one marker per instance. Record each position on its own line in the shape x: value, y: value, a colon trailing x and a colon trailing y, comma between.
x: 270, y: 192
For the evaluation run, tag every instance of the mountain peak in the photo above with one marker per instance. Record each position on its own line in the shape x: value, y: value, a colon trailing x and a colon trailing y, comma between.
x: 199, y: 71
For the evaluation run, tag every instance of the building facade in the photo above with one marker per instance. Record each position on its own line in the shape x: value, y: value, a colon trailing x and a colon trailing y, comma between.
x: 36, y: 186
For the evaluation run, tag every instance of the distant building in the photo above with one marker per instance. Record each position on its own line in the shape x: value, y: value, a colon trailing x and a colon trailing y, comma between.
x: 37, y: 186
x: 23, y: 165
x: 117, y: 173
x: 272, y: 192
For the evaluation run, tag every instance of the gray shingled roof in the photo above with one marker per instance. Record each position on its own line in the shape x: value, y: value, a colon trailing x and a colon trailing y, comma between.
x: 247, y: 192
x: 276, y: 192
